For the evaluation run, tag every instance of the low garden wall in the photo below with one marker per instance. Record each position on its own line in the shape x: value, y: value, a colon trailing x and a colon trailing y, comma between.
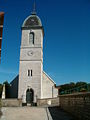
x: 11, y: 102
x: 76, y: 104
x: 48, y: 102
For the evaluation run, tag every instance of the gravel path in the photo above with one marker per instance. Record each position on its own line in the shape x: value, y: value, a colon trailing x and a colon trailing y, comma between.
x: 23, y: 113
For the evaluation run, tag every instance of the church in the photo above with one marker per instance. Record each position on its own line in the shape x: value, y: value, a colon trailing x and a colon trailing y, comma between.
x: 32, y: 83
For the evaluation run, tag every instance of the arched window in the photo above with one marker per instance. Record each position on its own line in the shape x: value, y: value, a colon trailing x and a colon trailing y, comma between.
x: 31, y: 38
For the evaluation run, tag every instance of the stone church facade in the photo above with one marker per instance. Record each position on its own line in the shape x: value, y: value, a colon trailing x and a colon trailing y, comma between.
x: 32, y: 83
x: 31, y: 75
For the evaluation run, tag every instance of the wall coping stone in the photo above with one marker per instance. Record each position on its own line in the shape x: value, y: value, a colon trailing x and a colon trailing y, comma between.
x: 48, y: 98
x: 75, y: 94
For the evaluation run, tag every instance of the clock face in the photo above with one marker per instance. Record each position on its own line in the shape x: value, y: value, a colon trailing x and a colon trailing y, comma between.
x: 30, y: 53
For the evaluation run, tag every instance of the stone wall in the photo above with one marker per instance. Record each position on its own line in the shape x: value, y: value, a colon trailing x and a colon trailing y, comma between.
x: 11, y: 103
x: 48, y: 102
x: 76, y: 104
x: 31, y: 58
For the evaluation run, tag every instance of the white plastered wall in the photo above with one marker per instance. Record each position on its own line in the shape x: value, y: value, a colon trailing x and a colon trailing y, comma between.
x: 48, y: 87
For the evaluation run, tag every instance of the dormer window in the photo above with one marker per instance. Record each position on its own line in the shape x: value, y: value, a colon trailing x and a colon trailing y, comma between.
x: 31, y: 38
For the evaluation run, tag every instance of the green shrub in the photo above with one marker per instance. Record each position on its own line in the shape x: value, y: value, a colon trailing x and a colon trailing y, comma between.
x: 83, y: 90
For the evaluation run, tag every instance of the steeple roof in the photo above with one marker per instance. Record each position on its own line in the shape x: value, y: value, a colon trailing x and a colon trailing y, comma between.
x: 33, y: 20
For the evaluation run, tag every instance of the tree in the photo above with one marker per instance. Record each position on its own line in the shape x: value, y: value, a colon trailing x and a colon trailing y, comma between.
x: 78, y: 84
x: 73, y: 87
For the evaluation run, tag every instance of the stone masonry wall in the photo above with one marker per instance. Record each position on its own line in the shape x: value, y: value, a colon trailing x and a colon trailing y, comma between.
x: 11, y: 102
x: 48, y: 102
x: 76, y: 104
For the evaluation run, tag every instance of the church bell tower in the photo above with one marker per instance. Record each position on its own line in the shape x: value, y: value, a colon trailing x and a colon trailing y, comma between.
x: 31, y: 59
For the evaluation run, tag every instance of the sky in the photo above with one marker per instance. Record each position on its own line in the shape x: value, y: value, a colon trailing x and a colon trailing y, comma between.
x: 66, y: 38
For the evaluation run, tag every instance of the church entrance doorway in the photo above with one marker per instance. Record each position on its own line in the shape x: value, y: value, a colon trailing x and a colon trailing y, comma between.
x: 29, y: 96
